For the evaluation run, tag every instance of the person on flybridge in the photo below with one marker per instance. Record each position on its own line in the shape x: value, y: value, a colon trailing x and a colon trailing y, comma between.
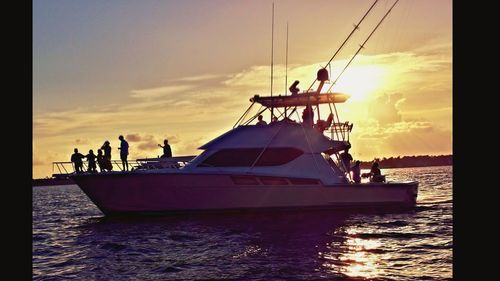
x: 261, y: 122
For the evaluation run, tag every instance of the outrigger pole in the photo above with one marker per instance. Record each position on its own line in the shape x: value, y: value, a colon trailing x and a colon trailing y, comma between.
x: 363, y: 45
x: 356, y: 27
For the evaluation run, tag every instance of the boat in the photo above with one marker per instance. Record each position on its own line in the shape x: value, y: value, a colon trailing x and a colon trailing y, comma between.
x: 291, y: 163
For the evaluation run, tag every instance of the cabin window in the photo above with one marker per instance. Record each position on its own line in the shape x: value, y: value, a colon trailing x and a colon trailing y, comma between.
x: 245, y: 157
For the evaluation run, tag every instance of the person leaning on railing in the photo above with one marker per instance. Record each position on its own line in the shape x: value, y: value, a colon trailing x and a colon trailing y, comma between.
x: 167, y: 151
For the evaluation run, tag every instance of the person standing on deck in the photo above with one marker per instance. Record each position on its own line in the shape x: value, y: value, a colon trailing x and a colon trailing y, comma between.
x: 167, y: 151
x: 91, y: 159
x: 107, y: 155
x: 356, y: 172
x: 76, y: 158
x: 123, y: 152
x: 101, y: 161
x: 346, y: 159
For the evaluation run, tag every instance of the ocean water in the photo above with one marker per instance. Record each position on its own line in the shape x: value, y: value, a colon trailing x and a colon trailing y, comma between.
x: 73, y: 240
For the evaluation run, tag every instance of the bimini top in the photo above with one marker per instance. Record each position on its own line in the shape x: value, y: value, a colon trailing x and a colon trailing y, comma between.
x: 300, y: 99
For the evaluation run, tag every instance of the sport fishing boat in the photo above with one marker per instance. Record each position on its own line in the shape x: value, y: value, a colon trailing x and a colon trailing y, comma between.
x: 291, y: 163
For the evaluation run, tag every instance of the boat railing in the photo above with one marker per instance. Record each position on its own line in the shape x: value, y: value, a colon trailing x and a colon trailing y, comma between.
x: 340, y: 131
x: 162, y: 163
x: 63, y: 169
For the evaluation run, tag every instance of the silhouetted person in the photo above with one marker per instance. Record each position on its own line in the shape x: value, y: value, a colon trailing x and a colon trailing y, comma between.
x: 167, y: 151
x: 76, y: 158
x: 356, y: 172
x: 101, y: 161
x: 123, y: 152
x: 91, y: 157
x: 293, y: 88
x: 308, y: 116
x: 376, y: 174
x: 346, y: 159
x: 261, y: 122
x: 107, y: 155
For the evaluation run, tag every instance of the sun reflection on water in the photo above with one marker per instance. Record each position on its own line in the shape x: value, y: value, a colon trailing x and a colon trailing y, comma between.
x: 353, y: 257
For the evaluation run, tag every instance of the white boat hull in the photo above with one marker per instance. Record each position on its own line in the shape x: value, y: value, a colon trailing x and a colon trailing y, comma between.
x: 127, y: 193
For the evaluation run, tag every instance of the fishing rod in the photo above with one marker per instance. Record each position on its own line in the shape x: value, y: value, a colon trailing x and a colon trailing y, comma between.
x: 356, y: 27
x: 363, y: 45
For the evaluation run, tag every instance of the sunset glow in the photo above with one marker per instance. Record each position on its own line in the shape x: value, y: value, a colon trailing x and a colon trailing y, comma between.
x: 361, y: 81
x: 185, y: 70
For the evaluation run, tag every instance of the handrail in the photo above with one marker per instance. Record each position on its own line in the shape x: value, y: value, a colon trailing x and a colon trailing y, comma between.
x: 138, y: 164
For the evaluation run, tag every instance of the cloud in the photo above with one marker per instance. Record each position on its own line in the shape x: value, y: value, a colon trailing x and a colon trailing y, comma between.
x: 384, y: 108
x: 133, y: 137
x: 199, y: 78
x: 148, y: 145
x: 148, y: 142
x: 82, y: 141
x: 402, y: 138
x: 160, y: 91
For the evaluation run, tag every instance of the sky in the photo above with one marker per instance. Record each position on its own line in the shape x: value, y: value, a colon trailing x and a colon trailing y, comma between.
x: 185, y: 70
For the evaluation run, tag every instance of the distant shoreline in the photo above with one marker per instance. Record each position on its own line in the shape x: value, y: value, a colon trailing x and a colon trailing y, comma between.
x: 410, y: 161
x: 52, y: 181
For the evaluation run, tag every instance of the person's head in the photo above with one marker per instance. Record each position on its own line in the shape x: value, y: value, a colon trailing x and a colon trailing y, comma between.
x: 375, y: 164
x: 260, y: 117
x: 76, y: 150
x: 357, y: 162
x: 106, y: 143
x: 165, y: 141
x: 120, y: 137
x: 99, y: 151
x: 91, y: 151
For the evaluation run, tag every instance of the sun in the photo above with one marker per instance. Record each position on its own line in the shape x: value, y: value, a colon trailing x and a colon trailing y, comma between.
x: 359, y: 81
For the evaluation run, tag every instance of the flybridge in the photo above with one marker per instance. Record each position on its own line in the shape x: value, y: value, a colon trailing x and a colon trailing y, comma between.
x: 305, y: 99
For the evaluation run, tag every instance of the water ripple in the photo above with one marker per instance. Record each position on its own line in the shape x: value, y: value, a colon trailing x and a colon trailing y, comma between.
x: 72, y: 240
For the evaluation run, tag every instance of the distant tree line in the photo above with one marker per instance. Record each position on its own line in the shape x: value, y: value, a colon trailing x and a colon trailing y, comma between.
x: 410, y: 161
